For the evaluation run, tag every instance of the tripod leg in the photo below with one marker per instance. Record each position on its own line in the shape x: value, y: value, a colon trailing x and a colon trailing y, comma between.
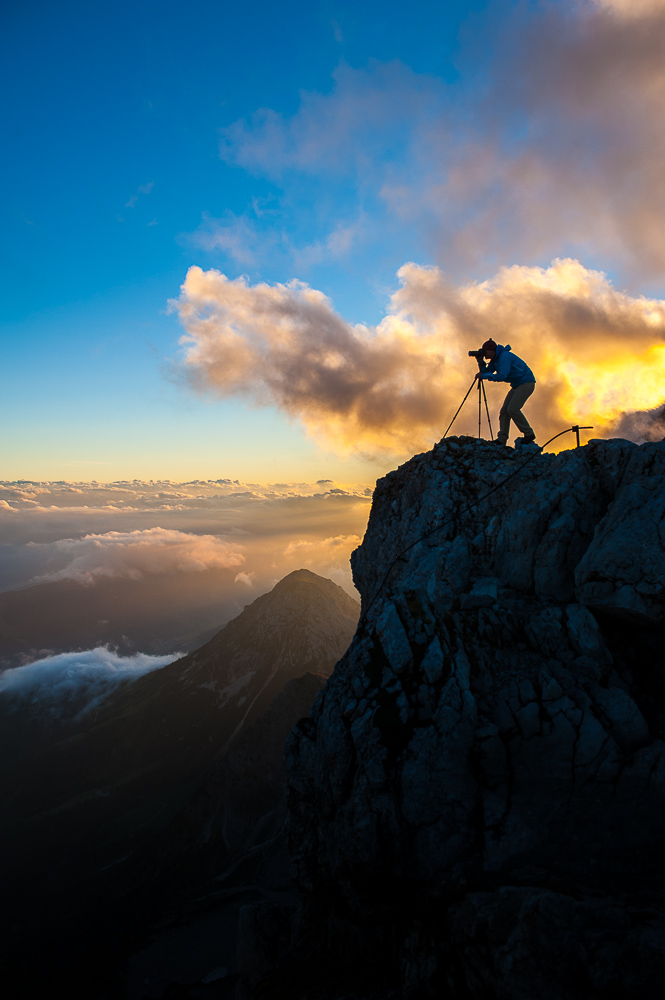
x: 460, y: 407
x: 487, y: 410
x: 480, y: 405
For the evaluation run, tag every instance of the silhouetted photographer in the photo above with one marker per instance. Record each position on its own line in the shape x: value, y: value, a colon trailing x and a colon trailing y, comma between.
x: 504, y: 366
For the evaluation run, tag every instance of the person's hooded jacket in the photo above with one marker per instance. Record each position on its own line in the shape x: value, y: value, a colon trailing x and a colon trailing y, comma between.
x: 507, y: 367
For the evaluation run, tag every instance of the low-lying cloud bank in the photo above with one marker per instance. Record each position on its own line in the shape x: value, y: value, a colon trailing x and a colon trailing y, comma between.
x: 248, y: 534
x: 71, y: 685
x: 597, y: 353
x: 133, y: 554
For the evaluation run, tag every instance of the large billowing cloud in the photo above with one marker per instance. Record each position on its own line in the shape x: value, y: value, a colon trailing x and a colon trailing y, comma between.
x: 552, y: 146
x: 133, y: 554
x: 285, y: 344
x: 597, y: 353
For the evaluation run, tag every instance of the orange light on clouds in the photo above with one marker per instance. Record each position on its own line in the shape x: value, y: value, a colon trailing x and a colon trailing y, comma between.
x: 597, y: 353
x: 610, y: 389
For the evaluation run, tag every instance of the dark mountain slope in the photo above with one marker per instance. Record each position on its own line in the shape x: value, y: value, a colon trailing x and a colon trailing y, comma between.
x: 80, y: 797
x: 231, y: 830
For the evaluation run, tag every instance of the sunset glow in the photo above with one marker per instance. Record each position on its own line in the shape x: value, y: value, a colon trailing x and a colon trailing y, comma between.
x: 297, y: 697
x: 265, y: 259
x: 388, y: 389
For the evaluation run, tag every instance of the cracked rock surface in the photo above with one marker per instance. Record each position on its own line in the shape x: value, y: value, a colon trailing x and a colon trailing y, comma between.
x: 483, y: 776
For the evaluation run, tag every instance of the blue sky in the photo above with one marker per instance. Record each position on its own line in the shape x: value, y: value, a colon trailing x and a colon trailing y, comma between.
x: 113, y: 114
x: 138, y: 148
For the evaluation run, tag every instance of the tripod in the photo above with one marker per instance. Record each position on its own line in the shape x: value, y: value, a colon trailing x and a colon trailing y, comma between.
x: 482, y: 395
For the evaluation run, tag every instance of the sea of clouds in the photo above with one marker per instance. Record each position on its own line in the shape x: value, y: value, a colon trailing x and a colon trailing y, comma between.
x: 131, y: 529
x: 89, y: 533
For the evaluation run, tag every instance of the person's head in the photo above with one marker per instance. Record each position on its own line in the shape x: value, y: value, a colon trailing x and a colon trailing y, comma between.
x: 489, y: 349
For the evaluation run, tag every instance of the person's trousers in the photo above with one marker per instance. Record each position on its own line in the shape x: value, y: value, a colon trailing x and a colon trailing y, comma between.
x: 512, y: 410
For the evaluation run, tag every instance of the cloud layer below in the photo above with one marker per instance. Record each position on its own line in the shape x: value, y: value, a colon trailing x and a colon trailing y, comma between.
x: 240, y: 537
x: 133, y: 554
x: 71, y: 685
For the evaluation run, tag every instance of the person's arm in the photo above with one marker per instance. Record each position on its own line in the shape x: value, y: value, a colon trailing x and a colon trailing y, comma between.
x: 501, y: 367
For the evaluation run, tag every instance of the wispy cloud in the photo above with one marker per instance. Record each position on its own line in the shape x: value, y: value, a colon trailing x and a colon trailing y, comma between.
x: 369, y: 113
x: 238, y: 236
x: 631, y: 8
x: 338, y: 35
x: 554, y: 147
x: 142, y: 189
x: 251, y: 238
x: 335, y: 246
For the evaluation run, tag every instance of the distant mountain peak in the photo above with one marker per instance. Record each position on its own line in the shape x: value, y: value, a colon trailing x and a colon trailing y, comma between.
x: 299, y: 576
x: 305, y: 575
x: 305, y: 622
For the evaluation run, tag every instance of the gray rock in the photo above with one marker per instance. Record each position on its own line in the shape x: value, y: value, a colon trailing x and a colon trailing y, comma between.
x: 623, y: 569
x: 483, y: 594
x: 511, y: 727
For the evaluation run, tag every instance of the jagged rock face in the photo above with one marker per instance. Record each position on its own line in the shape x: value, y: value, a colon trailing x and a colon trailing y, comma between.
x: 499, y: 718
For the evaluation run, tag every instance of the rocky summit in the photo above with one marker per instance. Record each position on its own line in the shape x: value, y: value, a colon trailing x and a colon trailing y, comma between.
x: 477, y: 798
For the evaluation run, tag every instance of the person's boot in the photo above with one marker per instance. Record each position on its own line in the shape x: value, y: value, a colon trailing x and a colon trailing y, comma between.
x: 526, y: 441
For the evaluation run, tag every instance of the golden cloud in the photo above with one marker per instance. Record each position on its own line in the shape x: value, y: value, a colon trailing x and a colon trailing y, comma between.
x: 597, y: 353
